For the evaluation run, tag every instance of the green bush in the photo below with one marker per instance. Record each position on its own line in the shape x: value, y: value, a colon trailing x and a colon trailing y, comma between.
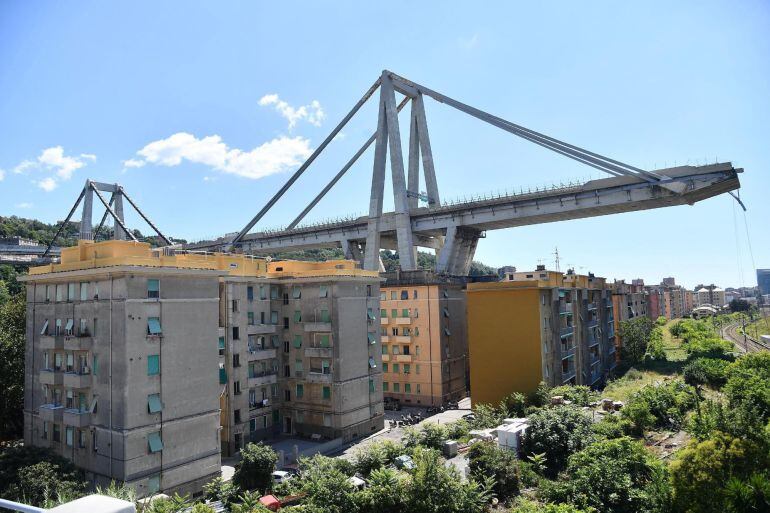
x: 579, y: 395
x: 612, y: 476
x: 487, y: 459
x: 748, y: 383
x: 661, y: 405
x: 611, y: 426
x: 254, y: 470
x: 655, y: 349
x: 558, y: 433
x: 706, y: 371
x: 529, y: 506
x: 709, y: 347
x: 38, y: 477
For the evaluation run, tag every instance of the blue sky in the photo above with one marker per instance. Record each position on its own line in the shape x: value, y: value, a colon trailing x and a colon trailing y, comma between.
x: 202, y: 109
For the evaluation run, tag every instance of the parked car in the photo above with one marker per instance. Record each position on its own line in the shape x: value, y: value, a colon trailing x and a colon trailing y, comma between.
x: 281, y: 476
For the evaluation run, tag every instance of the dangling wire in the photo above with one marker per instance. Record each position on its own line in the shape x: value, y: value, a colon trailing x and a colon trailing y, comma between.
x: 737, y: 246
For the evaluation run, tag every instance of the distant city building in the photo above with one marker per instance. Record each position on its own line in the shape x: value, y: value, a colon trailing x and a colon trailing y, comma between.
x: 504, y: 271
x: 710, y: 295
x: 669, y: 282
x: 424, y: 338
x: 763, y: 281
x: 538, y: 326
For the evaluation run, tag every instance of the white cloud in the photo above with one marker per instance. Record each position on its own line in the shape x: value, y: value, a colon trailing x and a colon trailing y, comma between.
x: 24, y: 204
x: 47, y: 184
x: 54, y: 161
x: 2, y: 174
x: 312, y: 113
x: 275, y: 156
x: 468, y: 43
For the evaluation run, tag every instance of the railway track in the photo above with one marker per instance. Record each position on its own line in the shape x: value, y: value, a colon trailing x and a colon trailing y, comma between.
x: 741, y: 341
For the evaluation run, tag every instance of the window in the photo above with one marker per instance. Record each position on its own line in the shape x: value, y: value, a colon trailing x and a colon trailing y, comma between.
x: 70, y: 435
x: 83, y: 327
x: 383, y: 313
x: 57, y: 361
x: 297, y: 316
x: 44, y: 329
x: 297, y: 341
x: 287, y: 395
x: 262, y: 292
x: 296, y: 292
x: 384, y: 367
x: 396, y: 368
x: 405, y: 312
x: 273, y: 292
x: 153, y: 365
x: 154, y: 442
x: 69, y: 326
x: 236, y: 333
x: 325, y: 367
x: 371, y: 338
x: 70, y: 362
x: 407, y: 388
x: 285, y: 346
x: 47, y: 293
x: 273, y: 317
x: 153, y: 326
x: 396, y: 349
x: 323, y: 340
x: 393, y: 295
x: 57, y: 327
x: 372, y: 388
x: 95, y: 366
x: 446, y: 312
x: 415, y: 294
x: 298, y: 367
x: 406, y: 349
x: 384, y: 349
x: 327, y: 420
x: 326, y: 392
x: 323, y: 291
x: 250, y: 293
x: 416, y: 314
x: 370, y: 314
x: 417, y: 368
x: 383, y: 295
x: 384, y: 386
x: 60, y: 292
x: 237, y: 416
x: 153, y: 288
x: 70, y: 293
x: 153, y: 403
x: 406, y: 368
x: 83, y: 291
x: 300, y: 390
x: 404, y: 294
x: 394, y: 313
x: 237, y: 387
x: 397, y: 387
x: 394, y: 331
x: 45, y: 430
x: 56, y: 433
x: 445, y: 293
x: 372, y: 363
x: 236, y: 360
x: 418, y: 388
x: 325, y: 316
x: 447, y: 332
x: 252, y: 425
x: 234, y: 305
x: 221, y: 346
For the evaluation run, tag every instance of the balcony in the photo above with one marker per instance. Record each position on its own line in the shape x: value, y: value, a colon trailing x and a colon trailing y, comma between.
x: 79, y: 343
x: 592, y: 340
x: 51, y: 412
x: 260, y: 329
x: 258, y: 405
x: 319, y: 352
x: 77, y: 418
x: 591, y: 306
x: 268, y: 378
x: 77, y: 380
x: 567, y: 375
x: 406, y: 358
x: 383, y: 321
x: 315, y: 376
x: 567, y: 351
x: 386, y: 358
x: 591, y: 324
x: 403, y: 321
x: 51, y: 342
x: 51, y: 377
x: 401, y: 339
x: 260, y: 354
x: 318, y: 326
x: 565, y: 308
x: 565, y: 332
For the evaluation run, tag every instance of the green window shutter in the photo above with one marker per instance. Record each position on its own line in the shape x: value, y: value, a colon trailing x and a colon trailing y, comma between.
x: 371, y: 338
x: 397, y: 387
x: 154, y: 441
x: 372, y: 363
x: 296, y: 292
x: 250, y: 317
x: 297, y: 341
x: 394, y: 313
x: 406, y: 368
x: 325, y: 316
x: 327, y: 393
x: 407, y: 388
x: 297, y: 316
x: 300, y: 390
x: 370, y: 314
x: 153, y: 365
x: 323, y: 291
x: 384, y: 349
x: 324, y: 339
x: 383, y: 313
x: 153, y: 403
x: 153, y: 288
x: 384, y: 386
x: 371, y: 386
x: 298, y: 365
x: 417, y: 368
x: 95, y: 366
x: 405, y: 312
x: 222, y: 376
x: 222, y: 343
x: 262, y: 292
x: 395, y: 368
x: 325, y: 366
x: 416, y: 331
x: 384, y: 367
x: 153, y: 326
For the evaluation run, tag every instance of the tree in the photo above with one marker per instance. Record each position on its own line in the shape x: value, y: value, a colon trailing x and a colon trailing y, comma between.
x: 655, y: 349
x: 739, y: 305
x: 635, y: 333
x: 487, y: 459
x: 220, y: 490
x: 326, y: 486
x: 659, y: 405
x: 254, y: 471
x: 613, y: 476
x: 748, y: 383
x: 385, y: 494
x: 12, y: 344
x: 579, y: 395
x: 37, y: 476
x: 701, y: 470
x: 558, y: 432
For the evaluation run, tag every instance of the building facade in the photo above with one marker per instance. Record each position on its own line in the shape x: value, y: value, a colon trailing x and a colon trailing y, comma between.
x: 710, y: 295
x: 300, y: 353
x: 763, y: 281
x: 539, y: 326
x: 630, y: 301
x: 424, y: 338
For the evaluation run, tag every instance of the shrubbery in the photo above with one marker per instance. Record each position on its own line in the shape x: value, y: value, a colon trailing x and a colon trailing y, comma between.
x: 579, y: 395
x: 557, y: 433
x: 487, y: 459
x: 706, y: 371
x: 661, y: 405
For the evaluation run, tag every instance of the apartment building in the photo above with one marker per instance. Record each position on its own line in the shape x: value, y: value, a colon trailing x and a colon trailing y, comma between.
x: 539, y: 326
x: 630, y: 301
x: 118, y: 364
x: 710, y: 295
x: 424, y: 338
x: 300, y: 353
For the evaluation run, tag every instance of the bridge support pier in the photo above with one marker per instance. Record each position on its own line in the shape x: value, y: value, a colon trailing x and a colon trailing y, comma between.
x: 456, y: 256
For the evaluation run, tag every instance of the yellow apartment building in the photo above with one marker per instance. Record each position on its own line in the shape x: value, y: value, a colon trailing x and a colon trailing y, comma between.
x: 424, y: 338
x: 538, y: 326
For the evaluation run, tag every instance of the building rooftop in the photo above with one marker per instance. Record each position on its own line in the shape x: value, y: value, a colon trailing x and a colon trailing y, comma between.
x: 114, y: 253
